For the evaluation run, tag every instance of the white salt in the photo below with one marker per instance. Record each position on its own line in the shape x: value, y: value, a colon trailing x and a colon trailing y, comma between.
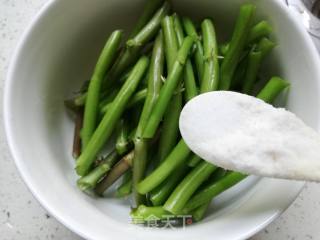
x: 242, y: 133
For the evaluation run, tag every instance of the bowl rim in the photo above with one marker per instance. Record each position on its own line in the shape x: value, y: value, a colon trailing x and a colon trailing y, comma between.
x: 18, y: 162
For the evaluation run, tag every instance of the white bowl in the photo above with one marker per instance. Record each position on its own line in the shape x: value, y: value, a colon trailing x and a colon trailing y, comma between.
x: 57, y: 53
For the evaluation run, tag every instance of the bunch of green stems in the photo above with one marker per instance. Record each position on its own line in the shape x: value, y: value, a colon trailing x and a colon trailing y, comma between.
x: 138, y: 95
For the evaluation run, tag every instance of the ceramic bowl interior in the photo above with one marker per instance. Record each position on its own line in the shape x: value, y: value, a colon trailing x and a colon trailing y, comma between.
x: 58, y: 53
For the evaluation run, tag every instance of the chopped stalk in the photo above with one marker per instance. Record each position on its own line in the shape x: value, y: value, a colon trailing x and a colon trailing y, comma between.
x: 135, y: 45
x: 199, y: 213
x: 210, y: 80
x: 91, y: 108
x: 191, y: 31
x: 193, y: 160
x: 168, y: 88
x: 174, y: 160
x: 213, y: 190
x: 183, y: 192
x: 107, y: 124
x: 125, y: 188
x: 123, y: 141
x: 149, y: 9
x: 116, y: 172
x: 76, y: 149
x: 136, y: 99
x: 90, y: 181
x: 237, y: 45
x: 160, y: 194
x: 154, y: 86
x: 170, y: 130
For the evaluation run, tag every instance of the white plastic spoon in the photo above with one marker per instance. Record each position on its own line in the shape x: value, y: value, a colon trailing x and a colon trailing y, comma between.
x: 242, y: 133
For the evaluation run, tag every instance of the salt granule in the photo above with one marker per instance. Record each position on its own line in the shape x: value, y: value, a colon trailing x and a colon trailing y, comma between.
x: 242, y: 133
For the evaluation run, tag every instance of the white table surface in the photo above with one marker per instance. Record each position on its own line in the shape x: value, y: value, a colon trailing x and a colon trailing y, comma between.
x: 21, y: 216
